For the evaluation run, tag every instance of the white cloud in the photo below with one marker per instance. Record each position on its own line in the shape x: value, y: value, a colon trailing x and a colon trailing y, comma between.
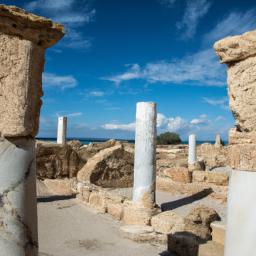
x: 71, y: 15
x: 122, y: 127
x: 203, y: 119
x: 233, y: 24
x: 62, y: 82
x: 221, y: 102
x: 96, y: 93
x: 201, y: 68
x: 195, y: 10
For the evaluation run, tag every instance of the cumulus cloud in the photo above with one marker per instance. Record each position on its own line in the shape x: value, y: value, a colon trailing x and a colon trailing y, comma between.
x: 69, y: 13
x: 201, y: 68
x: 233, y: 24
x: 57, y: 81
x: 194, y: 11
x: 122, y: 127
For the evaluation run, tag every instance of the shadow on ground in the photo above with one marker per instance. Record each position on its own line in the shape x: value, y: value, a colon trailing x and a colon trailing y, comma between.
x: 186, y: 200
x: 54, y: 198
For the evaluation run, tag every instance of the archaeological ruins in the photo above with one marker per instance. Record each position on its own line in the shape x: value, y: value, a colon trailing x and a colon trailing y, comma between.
x: 170, y: 195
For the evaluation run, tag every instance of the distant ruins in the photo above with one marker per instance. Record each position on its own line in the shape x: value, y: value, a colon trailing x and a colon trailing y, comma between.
x: 23, y: 40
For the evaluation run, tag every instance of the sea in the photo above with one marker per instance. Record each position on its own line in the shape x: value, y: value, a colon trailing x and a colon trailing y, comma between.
x: 87, y: 141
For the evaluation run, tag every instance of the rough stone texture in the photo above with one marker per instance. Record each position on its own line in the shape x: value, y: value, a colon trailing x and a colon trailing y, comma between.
x: 88, y: 151
x: 178, y: 174
x: 21, y: 67
x: 115, y: 210
x: 171, y: 156
x: 60, y: 187
x: 213, y: 155
x: 135, y: 214
x: 236, y: 48
x: 18, y: 212
x: 217, y: 178
x: 203, y: 215
x: 57, y: 161
x: 111, y: 167
x: 98, y: 201
x: 166, y: 222
x: 39, y: 30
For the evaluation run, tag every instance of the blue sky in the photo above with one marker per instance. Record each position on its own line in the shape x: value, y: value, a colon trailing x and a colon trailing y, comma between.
x: 116, y: 53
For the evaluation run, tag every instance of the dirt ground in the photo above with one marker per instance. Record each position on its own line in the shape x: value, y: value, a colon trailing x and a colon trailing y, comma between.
x: 69, y: 229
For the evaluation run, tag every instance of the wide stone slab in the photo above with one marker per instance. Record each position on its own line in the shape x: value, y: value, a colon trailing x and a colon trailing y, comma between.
x: 236, y: 48
x: 39, y: 30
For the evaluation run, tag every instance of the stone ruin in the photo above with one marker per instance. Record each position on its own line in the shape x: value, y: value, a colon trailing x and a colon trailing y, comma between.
x: 23, y: 40
x: 238, y: 52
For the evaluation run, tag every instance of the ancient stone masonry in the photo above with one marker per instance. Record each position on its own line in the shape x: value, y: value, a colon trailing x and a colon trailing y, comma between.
x: 23, y: 39
x: 239, y: 53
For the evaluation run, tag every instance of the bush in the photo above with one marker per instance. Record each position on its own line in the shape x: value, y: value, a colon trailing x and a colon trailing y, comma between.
x: 168, y: 138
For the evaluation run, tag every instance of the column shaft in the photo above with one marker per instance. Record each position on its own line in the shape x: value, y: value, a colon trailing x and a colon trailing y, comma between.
x: 62, y: 130
x: 192, y: 149
x: 145, y: 150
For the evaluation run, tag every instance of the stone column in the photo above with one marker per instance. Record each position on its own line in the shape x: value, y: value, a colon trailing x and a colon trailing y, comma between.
x: 192, y: 149
x: 23, y: 39
x: 62, y: 130
x: 145, y: 151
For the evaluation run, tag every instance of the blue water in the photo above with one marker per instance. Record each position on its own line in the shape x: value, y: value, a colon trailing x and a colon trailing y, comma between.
x: 86, y: 141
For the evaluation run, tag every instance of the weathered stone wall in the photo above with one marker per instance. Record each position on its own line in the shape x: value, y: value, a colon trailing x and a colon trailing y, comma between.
x: 238, y: 52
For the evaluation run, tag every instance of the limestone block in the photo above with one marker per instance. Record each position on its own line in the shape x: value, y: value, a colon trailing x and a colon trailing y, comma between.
x: 178, y: 174
x: 60, y: 187
x: 236, y: 137
x: 115, y: 209
x: 110, y: 167
x: 242, y: 93
x: 203, y: 215
x: 218, y: 232
x: 21, y: 67
x: 97, y: 200
x: 23, y: 39
x: 136, y: 214
x: 212, y: 177
x: 242, y: 156
x: 211, y: 248
x: 165, y: 222
x: 56, y: 161
x: 18, y: 212
x: 236, y: 48
x: 86, y: 191
x: 39, y: 30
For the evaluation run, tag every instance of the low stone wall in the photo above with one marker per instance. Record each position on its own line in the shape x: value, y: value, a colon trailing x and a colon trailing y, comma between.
x: 150, y: 224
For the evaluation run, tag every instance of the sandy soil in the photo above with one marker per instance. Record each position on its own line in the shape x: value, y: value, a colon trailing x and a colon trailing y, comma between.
x: 69, y: 229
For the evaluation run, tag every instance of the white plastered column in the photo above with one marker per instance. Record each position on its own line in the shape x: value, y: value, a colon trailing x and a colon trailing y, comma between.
x: 62, y: 130
x: 145, y: 150
x: 192, y: 149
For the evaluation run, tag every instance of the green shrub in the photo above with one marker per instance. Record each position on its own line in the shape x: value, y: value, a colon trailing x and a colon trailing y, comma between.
x: 168, y: 138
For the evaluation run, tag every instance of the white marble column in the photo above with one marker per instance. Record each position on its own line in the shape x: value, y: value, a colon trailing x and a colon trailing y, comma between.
x: 23, y: 40
x: 192, y: 149
x: 145, y: 151
x: 241, y: 213
x: 62, y: 130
